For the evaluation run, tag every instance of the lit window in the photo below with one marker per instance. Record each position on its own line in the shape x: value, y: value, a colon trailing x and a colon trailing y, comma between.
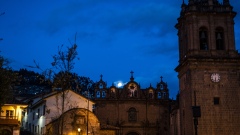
x: 150, y: 94
x: 38, y: 113
x: 9, y: 114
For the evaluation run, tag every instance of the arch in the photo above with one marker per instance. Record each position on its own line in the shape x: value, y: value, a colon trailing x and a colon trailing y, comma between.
x: 203, y: 38
x: 150, y: 94
x: 219, y: 38
x: 112, y: 92
x: 73, y: 119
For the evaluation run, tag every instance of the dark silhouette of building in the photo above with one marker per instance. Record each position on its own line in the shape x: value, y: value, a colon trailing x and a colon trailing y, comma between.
x: 134, y: 111
x: 209, y: 69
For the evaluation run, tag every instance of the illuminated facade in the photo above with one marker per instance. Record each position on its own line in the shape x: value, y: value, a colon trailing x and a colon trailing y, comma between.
x: 11, y: 118
x: 79, y: 121
x: 209, y: 69
x: 44, y: 109
x: 134, y: 111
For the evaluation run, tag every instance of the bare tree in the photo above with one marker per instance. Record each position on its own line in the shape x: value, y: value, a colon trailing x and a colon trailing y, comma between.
x: 61, y: 76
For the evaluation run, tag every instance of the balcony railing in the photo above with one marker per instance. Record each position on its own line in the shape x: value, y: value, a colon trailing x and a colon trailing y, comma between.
x: 9, y: 120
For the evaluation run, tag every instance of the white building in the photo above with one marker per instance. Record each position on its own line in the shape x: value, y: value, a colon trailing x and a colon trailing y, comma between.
x: 43, y: 109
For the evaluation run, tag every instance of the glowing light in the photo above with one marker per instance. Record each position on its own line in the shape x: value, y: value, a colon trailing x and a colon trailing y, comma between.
x: 120, y: 84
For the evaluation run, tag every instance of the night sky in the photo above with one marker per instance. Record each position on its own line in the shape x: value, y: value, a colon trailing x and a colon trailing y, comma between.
x: 114, y: 37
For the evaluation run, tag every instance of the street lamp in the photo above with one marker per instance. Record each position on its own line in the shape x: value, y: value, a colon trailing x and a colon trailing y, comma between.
x: 79, y: 130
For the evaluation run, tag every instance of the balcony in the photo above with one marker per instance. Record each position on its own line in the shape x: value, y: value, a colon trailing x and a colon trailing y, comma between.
x: 9, y: 120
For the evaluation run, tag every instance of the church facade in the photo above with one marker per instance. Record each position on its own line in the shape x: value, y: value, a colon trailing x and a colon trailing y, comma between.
x: 209, y: 69
x: 132, y: 110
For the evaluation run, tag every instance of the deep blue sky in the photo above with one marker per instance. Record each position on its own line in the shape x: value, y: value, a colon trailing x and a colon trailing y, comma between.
x: 113, y: 36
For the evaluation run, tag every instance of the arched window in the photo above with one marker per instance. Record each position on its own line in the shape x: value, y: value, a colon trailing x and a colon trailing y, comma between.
x: 132, y: 115
x: 100, y: 86
x: 219, y: 38
x: 161, y: 86
x: 159, y: 95
x: 150, y: 94
x: 203, y: 38
x: 164, y: 95
x: 103, y: 94
x: 98, y: 94
x: 112, y: 92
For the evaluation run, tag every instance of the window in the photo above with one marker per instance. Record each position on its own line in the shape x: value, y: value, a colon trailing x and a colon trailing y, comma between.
x: 9, y: 114
x: 81, y: 120
x: 100, y: 85
x: 98, y: 94
x: 113, y: 91
x: 44, y: 109
x: 33, y: 115
x: 165, y: 95
x: 150, y: 94
x: 38, y: 129
x: 132, y: 115
x: 203, y: 38
x: 26, y: 125
x: 219, y: 39
x: 159, y: 95
x: 161, y: 86
x: 29, y: 126
x: 103, y: 94
x: 216, y: 100
x: 38, y: 113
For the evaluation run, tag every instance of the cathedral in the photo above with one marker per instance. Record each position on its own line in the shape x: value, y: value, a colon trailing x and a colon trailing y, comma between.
x: 208, y: 70
x: 134, y: 111
x: 209, y: 82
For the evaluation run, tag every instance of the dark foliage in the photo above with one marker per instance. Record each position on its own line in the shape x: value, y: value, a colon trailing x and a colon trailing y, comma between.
x: 7, y: 80
x: 31, y: 82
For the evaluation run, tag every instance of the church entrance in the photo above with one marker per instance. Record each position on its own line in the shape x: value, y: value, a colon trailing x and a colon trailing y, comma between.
x: 132, y: 133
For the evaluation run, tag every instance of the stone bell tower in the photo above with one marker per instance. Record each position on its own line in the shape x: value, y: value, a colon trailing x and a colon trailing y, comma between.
x: 209, y: 69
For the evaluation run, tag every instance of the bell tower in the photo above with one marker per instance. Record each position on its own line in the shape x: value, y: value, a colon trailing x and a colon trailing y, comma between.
x: 209, y: 69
